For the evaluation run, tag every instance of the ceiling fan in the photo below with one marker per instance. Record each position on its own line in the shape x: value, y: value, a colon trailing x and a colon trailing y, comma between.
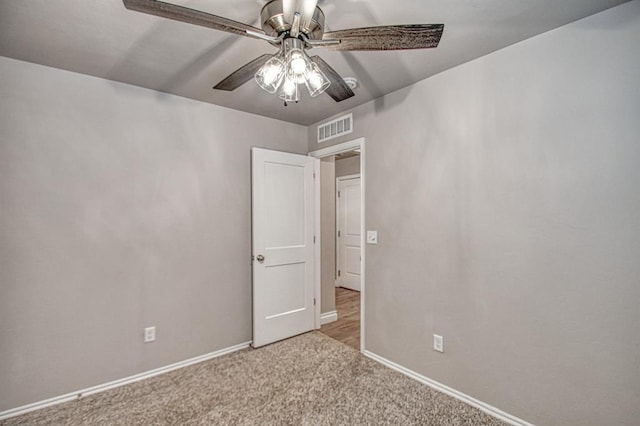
x: 294, y: 26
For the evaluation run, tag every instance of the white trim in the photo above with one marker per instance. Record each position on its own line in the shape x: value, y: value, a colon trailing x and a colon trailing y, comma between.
x: 338, y: 149
x: 347, y: 177
x: 117, y: 383
x: 363, y: 238
x: 356, y: 144
x: 317, y: 291
x: 483, y: 406
x: 328, y: 317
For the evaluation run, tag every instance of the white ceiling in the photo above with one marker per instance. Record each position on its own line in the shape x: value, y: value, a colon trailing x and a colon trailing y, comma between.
x: 102, y: 38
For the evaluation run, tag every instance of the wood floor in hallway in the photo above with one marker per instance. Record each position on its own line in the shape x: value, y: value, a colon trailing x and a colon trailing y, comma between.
x: 347, y: 328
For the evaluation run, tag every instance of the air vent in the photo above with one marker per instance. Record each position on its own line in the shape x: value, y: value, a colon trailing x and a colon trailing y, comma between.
x: 334, y: 128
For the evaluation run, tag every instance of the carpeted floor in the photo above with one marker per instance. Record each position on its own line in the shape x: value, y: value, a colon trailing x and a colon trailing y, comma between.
x: 306, y: 380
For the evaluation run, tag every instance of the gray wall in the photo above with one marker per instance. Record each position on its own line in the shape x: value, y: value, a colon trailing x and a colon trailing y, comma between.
x: 348, y: 166
x: 328, y: 233
x: 120, y: 208
x: 506, y: 194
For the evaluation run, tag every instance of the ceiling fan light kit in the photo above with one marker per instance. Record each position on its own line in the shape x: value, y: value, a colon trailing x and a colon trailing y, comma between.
x: 293, y: 66
x: 296, y: 26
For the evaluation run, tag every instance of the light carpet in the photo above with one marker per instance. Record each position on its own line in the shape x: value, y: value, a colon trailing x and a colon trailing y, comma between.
x: 306, y: 380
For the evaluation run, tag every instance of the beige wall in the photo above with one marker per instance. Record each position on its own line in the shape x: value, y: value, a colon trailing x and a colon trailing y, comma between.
x: 120, y: 208
x: 348, y: 166
x: 506, y: 195
x: 328, y: 233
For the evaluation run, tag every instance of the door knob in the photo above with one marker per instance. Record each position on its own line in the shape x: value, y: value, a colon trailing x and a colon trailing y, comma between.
x: 260, y: 258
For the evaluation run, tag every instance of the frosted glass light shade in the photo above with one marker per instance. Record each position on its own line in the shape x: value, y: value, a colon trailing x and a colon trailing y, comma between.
x: 297, y: 62
x: 297, y: 65
x: 289, y: 90
x: 316, y: 81
x: 269, y: 76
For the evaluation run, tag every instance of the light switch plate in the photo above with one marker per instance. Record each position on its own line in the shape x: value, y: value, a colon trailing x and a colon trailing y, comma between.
x: 372, y: 237
x: 149, y: 334
x: 438, y: 343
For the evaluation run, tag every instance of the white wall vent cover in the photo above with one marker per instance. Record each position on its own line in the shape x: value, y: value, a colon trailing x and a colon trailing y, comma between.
x: 334, y: 128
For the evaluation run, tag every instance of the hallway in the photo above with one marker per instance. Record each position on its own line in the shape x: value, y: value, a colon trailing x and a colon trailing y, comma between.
x: 347, y: 328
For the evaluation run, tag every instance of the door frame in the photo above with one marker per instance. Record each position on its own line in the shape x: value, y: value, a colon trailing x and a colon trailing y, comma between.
x: 326, y: 152
x: 338, y: 180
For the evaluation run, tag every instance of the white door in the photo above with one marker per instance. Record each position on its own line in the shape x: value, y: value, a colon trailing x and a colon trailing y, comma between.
x: 348, y: 227
x: 283, y: 246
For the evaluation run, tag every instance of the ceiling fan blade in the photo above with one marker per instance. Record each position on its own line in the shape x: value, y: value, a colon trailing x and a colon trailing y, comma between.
x: 338, y: 90
x: 389, y: 37
x: 242, y: 74
x: 190, y: 16
x: 307, y: 8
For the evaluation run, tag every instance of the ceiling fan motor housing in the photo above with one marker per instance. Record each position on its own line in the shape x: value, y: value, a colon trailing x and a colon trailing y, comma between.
x: 275, y: 22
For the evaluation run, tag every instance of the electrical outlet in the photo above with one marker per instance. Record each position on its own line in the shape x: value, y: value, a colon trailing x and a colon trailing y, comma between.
x: 149, y: 334
x: 438, y: 343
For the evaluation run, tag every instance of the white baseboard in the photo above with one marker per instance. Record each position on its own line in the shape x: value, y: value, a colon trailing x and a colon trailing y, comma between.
x: 489, y: 409
x: 328, y: 317
x: 116, y: 383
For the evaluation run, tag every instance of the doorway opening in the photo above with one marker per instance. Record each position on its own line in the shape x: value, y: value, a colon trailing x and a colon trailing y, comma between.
x: 341, y: 227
